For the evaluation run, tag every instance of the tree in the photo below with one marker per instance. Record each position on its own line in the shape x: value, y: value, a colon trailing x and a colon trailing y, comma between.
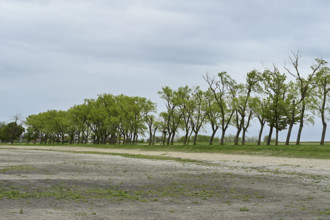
x: 212, y: 114
x: 258, y: 106
x: 11, y: 132
x: 322, y: 98
x: 275, y: 89
x: 163, y: 125
x: 246, y: 125
x: 3, y: 136
x: 224, y: 90
x: 157, y: 125
x: 109, y: 103
x: 34, y: 127
x: 148, y: 107
x: 78, y: 123
x: 173, y: 99
x: 305, y: 85
x: 199, y: 113
x: 167, y: 94
x: 14, y: 129
x: 292, y: 110
x: 186, y: 106
x: 241, y: 103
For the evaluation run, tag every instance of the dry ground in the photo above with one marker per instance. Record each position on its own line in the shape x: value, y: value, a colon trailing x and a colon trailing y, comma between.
x: 39, y: 184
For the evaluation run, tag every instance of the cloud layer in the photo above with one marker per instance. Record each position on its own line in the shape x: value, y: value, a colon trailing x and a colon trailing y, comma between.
x: 55, y: 53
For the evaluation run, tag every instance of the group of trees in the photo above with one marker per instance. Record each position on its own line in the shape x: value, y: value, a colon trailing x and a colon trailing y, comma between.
x: 267, y: 96
x: 273, y: 100
x: 107, y: 119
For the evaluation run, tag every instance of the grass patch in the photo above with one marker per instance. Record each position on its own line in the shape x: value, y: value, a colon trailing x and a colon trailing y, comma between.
x: 83, y: 194
x: 67, y: 193
x: 7, y: 169
x: 244, y: 209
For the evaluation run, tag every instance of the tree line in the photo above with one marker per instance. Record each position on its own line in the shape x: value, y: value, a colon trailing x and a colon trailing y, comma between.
x: 268, y: 96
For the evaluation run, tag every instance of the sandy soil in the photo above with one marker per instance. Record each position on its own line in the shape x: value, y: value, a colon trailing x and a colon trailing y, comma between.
x: 39, y: 184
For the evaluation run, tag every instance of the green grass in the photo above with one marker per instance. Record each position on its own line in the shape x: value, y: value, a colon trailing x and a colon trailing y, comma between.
x: 305, y: 150
x: 244, y: 209
x: 75, y: 193
x: 15, y: 168
x: 67, y: 193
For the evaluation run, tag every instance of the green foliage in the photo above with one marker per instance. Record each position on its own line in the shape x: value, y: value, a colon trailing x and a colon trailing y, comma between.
x: 107, y: 119
x: 277, y: 100
x: 10, y: 132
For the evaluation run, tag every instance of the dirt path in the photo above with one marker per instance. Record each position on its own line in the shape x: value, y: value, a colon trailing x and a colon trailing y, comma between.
x: 211, y: 157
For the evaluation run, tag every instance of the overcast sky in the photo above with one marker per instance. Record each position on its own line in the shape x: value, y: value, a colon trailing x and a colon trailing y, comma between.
x: 56, y: 53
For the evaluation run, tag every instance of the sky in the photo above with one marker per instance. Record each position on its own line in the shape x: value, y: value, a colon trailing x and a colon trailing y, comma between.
x: 56, y: 53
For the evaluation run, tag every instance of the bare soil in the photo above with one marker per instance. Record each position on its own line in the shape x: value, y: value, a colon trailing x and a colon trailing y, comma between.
x: 43, y: 184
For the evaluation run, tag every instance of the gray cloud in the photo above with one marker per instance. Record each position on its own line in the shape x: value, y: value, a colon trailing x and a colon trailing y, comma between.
x: 55, y: 53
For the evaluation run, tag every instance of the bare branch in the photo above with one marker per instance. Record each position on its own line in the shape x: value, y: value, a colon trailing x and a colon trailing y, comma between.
x: 209, y: 80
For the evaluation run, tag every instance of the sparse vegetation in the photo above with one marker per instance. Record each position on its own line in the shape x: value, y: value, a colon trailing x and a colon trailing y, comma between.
x: 244, y: 209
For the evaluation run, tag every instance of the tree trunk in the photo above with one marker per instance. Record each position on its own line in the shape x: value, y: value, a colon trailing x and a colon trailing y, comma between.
x: 136, y: 139
x: 195, y: 139
x: 301, y: 124
x: 237, y: 135
x: 322, y: 112
x: 276, y: 141
x: 212, y: 136
x: 169, y: 138
x: 154, y: 136
x: 150, y: 135
x: 124, y: 138
x: 270, y: 135
x: 323, y: 133
x: 246, y: 127
x: 287, y: 142
x: 243, y: 136
x: 164, y: 137
x: 82, y: 138
x: 172, y: 138
x: 260, y: 133
x: 222, y: 140
x: 186, y: 137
